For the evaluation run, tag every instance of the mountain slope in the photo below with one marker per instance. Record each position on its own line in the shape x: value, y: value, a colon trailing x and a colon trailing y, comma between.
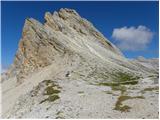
x: 66, y: 68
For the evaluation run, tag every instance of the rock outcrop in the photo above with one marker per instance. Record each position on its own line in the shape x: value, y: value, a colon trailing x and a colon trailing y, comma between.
x: 62, y: 32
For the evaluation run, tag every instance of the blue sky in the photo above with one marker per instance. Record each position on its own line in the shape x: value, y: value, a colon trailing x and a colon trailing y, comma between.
x: 113, y: 19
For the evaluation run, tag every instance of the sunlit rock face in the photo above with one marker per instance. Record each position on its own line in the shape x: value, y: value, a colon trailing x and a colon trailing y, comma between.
x: 63, y: 32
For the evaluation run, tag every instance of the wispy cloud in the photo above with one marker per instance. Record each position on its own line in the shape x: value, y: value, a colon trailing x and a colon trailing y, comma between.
x: 132, y: 38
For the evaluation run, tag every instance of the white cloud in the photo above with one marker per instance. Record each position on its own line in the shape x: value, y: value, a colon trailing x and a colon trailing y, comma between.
x: 132, y: 38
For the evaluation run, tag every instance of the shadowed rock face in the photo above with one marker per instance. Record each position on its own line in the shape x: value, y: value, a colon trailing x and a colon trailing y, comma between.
x: 63, y: 32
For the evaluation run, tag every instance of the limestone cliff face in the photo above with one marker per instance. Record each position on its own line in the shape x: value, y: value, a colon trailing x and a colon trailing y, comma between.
x: 63, y: 31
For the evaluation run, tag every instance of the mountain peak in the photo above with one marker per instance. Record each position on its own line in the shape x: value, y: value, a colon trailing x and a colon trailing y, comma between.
x: 68, y: 11
x: 63, y: 31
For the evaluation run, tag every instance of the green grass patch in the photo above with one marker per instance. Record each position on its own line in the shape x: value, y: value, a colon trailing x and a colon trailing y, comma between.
x: 50, y: 83
x: 150, y: 89
x: 50, y: 90
x: 134, y: 82
x: 124, y: 77
x: 120, y: 78
x: 51, y: 98
x: 109, y: 84
x: 154, y: 76
x: 119, y: 83
x: 151, y: 76
x: 47, y: 82
x: 81, y: 92
x: 124, y: 108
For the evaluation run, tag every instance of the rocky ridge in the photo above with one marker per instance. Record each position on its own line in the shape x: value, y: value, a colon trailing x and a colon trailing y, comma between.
x: 41, y: 44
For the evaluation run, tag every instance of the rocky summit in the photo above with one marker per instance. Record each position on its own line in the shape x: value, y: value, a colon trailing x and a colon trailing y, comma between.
x: 65, y: 68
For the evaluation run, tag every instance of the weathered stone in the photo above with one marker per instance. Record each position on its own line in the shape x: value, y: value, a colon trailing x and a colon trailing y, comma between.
x: 41, y: 44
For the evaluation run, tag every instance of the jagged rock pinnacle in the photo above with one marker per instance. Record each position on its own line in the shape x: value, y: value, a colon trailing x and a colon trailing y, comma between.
x: 63, y: 31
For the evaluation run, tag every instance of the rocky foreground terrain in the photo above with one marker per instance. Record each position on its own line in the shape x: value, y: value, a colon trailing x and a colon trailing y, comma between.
x: 65, y: 68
